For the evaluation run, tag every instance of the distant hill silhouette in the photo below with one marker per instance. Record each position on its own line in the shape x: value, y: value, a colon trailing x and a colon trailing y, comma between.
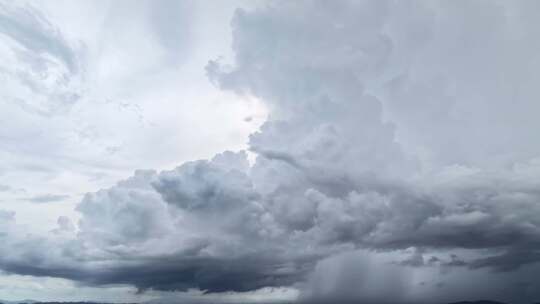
x: 478, y: 302
x: 36, y: 302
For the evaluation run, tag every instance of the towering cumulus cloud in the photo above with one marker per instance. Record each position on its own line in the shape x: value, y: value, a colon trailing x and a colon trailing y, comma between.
x: 400, y: 149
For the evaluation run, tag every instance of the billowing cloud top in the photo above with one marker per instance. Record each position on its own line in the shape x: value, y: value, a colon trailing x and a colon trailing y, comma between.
x: 394, y: 127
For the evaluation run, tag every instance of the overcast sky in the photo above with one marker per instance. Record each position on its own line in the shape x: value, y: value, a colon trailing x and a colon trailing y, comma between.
x: 244, y: 151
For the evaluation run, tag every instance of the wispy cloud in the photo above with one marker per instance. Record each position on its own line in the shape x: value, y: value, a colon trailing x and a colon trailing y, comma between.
x: 40, y: 66
x: 47, y: 198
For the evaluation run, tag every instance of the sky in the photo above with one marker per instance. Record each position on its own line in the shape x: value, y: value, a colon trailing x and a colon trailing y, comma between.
x: 267, y: 151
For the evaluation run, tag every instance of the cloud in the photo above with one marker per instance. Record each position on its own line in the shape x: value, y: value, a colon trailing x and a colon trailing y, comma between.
x: 47, y: 198
x: 393, y: 126
x: 64, y: 225
x: 7, y: 216
x: 33, y: 32
x: 170, y: 231
x: 40, y: 67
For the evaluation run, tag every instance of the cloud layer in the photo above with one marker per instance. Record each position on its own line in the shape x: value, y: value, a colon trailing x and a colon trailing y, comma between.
x: 393, y: 126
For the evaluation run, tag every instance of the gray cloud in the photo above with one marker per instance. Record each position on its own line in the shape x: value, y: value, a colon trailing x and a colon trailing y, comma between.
x: 393, y: 126
x: 6, y: 216
x: 47, y: 198
x: 169, y: 231
x: 30, y: 29
x: 40, y: 64
x: 40, y: 67
x: 7, y: 219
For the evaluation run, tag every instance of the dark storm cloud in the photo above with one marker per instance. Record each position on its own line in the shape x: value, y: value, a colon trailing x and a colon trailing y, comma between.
x: 178, y: 273
x: 510, y: 260
x: 394, y: 126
